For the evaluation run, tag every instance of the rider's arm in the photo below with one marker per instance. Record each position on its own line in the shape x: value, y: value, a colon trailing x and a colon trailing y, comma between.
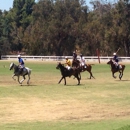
x: 20, y: 61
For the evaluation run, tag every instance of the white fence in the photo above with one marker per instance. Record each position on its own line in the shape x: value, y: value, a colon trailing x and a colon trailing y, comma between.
x: 62, y: 58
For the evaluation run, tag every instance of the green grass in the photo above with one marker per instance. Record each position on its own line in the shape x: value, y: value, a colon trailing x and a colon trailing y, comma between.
x: 101, y: 125
x: 96, y: 104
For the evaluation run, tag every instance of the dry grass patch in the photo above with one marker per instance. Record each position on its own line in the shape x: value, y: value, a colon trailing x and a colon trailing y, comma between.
x: 36, y: 109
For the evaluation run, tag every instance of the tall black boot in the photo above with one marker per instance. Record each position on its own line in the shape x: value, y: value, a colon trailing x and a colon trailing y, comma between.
x: 20, y: 70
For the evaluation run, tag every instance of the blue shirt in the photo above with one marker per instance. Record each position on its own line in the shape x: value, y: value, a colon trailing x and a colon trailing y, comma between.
x: 21, y: 61
x: 115, y: 58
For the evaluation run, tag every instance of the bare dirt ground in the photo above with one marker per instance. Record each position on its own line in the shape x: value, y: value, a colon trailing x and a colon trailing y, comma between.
x: 35, y: 109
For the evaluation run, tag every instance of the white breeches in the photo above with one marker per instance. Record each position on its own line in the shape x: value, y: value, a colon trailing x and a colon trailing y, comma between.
x: 82, y: 64
x: 21, y: 66
x: 68, y: 67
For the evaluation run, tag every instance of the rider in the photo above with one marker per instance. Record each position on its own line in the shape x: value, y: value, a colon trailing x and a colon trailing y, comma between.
x: 68, y: 63
x: 74, y: 56
x: 115, y: 60
x: 21, y: 64
x: 82, y: 62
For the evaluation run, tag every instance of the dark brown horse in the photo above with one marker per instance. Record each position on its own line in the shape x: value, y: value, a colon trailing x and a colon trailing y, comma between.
x: 68, y: 73
x: 115, y: 69
x: 75, y: 63
x: 87, y: 67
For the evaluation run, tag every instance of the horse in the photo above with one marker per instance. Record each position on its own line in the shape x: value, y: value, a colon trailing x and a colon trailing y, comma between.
x: 68, y: 73
x: 75, y: 63
x: 87, y: 67
x: 26, y: 71
x: 115, y: 69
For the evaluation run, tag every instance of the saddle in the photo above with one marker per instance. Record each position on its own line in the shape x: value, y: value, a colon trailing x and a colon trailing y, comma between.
x: 118, y: 66
x: 22, y: 70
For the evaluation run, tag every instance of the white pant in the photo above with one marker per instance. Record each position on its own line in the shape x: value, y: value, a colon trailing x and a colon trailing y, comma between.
x: 68, y: 67
x: 82, y: 64
x: 21, y: 66
x: 116, y: 64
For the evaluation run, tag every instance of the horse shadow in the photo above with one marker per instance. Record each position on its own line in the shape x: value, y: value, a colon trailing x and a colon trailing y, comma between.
x: 30, y: 85
x: 124, y: 80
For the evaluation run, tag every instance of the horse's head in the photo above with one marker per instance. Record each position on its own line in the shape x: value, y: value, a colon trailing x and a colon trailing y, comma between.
x: 59, y: 65
x: 11, y: 66
x: 110, y: 62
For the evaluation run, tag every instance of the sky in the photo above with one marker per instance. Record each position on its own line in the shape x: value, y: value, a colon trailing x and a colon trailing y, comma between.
x: 7, y: 4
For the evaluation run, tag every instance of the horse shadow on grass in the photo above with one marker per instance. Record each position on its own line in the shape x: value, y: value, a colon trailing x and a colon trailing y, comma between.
x: 73, y: 85
x: 123, y: 80
x: 25, y: 85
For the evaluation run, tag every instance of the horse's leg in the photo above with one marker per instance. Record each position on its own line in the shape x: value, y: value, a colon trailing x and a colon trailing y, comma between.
x: 122, y: 70
x: 91, y: 75
x: 89, y: 70
x: 13, y: 77
x: 18, y: 80
x: 121, y: 74
x: 22, y: 79
x: 64, y: 81
x: 78, y: 78
x: 113, y: 75
x: 28, y: 79
x: 60, y: 79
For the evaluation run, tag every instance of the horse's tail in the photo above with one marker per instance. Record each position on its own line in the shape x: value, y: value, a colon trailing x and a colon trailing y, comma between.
x: 29, y: 70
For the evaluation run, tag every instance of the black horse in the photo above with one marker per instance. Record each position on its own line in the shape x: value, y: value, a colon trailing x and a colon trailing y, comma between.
x: 87, y: 67
x: 115, y: 69
x: 26, y: 71
x: 68, y: 73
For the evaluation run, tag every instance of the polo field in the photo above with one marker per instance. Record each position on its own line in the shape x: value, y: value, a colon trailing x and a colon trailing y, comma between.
x: 102, y: 103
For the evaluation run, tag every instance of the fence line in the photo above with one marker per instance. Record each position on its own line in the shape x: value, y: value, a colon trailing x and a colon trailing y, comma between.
x: 61, y: 58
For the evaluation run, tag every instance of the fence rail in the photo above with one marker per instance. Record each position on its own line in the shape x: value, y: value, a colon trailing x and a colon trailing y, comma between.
x: 60, y: 58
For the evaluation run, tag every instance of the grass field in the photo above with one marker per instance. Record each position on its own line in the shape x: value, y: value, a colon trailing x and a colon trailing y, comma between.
x: 97, y: 104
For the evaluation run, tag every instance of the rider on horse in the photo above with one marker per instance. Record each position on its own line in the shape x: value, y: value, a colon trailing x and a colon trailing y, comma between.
x: 21, y: 64
x: 115, y: 60
x: 74, y: 56
x: 82, y: 62
x: 68, y: 63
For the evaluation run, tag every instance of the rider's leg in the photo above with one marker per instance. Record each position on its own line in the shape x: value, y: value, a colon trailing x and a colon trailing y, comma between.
x: 83, y: 66
x: 116, y: 64
x: 20, y: 69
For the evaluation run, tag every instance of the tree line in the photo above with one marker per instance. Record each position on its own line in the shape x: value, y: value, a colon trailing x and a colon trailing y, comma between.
x: 58, y: 27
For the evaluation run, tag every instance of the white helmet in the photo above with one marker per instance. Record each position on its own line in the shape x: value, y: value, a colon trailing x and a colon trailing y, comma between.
x: 19, y: 56
x: 114, y: 54
x: 66, y: 57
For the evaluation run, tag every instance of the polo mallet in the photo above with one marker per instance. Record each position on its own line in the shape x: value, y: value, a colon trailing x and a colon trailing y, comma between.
x: 118, y: 49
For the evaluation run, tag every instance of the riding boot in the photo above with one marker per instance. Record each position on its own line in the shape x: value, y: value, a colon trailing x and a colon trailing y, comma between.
x: 82, y: 68
x: 70, y: 70
x: 120, y: 67
x: 117, y: 66
x: 20, y: 70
